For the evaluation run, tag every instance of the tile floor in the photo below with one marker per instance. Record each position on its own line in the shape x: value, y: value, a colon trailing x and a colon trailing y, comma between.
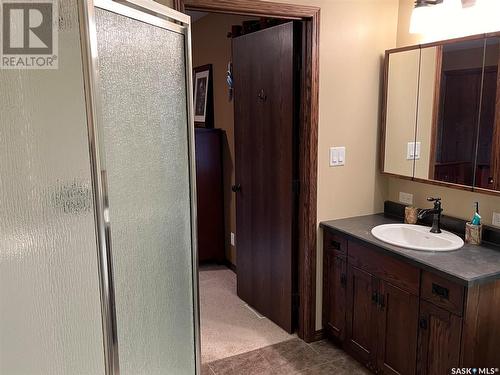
x: 288, y: 358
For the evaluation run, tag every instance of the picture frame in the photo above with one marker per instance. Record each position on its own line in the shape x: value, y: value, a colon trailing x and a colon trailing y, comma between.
x: 203, y: 96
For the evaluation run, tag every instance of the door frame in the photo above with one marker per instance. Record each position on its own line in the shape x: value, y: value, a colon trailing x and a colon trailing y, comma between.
x: 308, y: 137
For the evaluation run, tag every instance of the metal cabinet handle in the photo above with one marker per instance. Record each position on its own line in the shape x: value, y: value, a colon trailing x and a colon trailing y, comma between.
x: 423, y: 323
x: 440, y: 291
x: 343, y: 280
x: 381, y: 301
x: 335, y: 244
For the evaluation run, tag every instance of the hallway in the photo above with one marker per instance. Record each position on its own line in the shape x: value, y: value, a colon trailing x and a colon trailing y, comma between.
x: 236, y: 340
x: 228, y: 326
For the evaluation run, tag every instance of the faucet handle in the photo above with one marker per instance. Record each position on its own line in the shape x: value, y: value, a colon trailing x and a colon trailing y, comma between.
x: 437, y: 203
x: 431, y: 199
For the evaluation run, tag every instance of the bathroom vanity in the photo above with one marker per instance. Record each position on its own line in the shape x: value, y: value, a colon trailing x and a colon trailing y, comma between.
x: 401, y: 311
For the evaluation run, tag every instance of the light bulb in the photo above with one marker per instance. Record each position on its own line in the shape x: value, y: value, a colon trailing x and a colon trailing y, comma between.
x: 419, y: 18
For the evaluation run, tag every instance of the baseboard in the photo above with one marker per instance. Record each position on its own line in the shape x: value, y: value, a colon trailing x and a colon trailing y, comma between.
x: 318, y: 335
x: 229, y: 265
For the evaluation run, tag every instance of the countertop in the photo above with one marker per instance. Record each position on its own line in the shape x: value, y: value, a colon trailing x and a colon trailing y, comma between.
x: 469, y: 265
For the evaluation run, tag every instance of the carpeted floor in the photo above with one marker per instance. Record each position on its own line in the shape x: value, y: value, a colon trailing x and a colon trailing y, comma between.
x: 228, y: 326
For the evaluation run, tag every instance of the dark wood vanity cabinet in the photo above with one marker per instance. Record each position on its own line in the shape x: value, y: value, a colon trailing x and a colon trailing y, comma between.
x: 335, y: 274
x: 361, y: 330
x: 397, y: 330
x: 438, y: 340
x: 381, y: 315
x: 396, y: 318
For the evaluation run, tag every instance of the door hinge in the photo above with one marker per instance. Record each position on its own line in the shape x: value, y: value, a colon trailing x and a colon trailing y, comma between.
x: 296, y: 186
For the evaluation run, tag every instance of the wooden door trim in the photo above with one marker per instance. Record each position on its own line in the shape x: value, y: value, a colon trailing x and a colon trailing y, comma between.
x: 495, y: 147
x: 435, y: 111
x: 308, y: 139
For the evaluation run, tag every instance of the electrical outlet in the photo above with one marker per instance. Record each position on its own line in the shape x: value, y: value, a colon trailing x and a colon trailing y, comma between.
x: 406, y: 198
x: 232, y: 239
x: 496, y: 219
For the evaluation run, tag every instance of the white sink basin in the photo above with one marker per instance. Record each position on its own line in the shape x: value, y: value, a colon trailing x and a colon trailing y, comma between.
x: 417, y: 237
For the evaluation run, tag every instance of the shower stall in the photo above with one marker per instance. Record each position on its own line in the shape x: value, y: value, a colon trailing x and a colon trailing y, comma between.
x: 97, y: 198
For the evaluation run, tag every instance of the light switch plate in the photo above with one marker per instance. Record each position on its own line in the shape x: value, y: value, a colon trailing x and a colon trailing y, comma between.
x: 413, y: 150
x: 405, y: 198
x: 496, y: 219
x: 337, y: 156
x: 232, y: 239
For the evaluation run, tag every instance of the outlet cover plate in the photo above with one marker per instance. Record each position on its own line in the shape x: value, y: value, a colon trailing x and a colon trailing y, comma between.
x: 406, y: 198
x: 496, y: 219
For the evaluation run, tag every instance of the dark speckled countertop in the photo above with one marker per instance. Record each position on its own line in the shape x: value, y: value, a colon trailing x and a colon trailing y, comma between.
x: 468, y: 265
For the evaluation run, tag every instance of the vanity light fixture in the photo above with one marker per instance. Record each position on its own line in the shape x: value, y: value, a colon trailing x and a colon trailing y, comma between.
x: 422, y: 15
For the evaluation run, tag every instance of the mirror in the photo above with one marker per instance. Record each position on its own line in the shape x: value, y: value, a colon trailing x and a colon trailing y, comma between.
x: 401, y: 112
x: 488, y: 150
x: 428, y: 89
x: 442, y: 113
x: 457, y: 99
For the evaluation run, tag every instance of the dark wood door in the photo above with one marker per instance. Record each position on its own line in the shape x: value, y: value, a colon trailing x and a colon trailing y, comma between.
x: 438, y: 340
x: 263, y: 68
x: 457, y: 132
x: 335, y: 272
x: 397, y: 333
x: 361, y: 330
x: 484, y: 173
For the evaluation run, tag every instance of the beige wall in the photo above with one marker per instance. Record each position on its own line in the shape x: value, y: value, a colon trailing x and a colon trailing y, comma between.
x: 353, y: 37
x: 212, y: 46
x: 402, y: 88
x: 455, y: 202
x: 427, y: 88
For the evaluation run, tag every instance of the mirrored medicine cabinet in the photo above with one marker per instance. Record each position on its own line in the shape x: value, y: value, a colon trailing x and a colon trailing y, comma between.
x: 441, y: 113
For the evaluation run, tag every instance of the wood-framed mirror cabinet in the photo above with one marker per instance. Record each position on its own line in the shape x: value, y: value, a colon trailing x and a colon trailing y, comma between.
x: 441, y: 113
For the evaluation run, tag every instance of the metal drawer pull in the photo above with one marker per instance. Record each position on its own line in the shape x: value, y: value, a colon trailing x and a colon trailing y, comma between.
x: 440, y: 291
x: 335, y: 244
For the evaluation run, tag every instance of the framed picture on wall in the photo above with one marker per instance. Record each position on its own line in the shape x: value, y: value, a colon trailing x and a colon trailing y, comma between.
x: 203, y: 96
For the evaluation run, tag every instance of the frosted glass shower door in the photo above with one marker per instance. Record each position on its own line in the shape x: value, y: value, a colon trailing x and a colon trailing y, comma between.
x: 50, y: 310
x: 144, y: 127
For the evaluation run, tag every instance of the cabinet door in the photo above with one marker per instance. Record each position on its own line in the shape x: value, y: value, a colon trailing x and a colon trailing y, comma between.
x: 397, y: 335
x: 438, y: 340
x: 335, y: 294
x: 361, y: 329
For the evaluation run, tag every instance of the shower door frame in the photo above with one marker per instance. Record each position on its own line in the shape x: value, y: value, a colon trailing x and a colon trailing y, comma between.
x: 161, y: 16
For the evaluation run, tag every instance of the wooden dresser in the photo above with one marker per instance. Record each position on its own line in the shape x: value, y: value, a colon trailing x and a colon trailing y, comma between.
x: 210, y: 195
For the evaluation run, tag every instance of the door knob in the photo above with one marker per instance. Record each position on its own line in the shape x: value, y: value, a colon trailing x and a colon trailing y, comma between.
x: 236, y: 188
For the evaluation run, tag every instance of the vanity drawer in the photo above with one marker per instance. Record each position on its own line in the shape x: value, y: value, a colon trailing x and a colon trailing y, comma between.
x: 442, y: 292
x: 396, y: 272
x: 334, y: 242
